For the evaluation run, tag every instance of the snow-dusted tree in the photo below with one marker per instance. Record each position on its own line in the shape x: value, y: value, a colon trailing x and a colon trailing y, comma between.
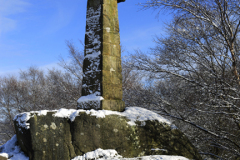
x: 197, y: 65
x: 8, y: 92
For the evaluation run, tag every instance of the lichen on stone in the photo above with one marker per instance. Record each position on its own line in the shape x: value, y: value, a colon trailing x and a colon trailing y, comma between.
x: 53, y: 126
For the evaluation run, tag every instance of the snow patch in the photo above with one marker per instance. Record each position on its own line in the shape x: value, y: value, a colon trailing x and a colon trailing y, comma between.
x: 22, y: 118
x: 132, y: 113
x: 91, y: 97
x: 91, y: 54
x: 90, y: 100
x: 157, y: 149
x: 99, y: 154
x: 141, y: 114
x: 102, y: 113
x: 64, y: 113
x: 75, y: 114
x: 4, y: 155
x: 110, y: 154
x: 11, y: 151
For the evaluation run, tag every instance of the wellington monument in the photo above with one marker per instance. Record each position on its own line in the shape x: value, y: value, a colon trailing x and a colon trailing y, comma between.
x: 102, y: 70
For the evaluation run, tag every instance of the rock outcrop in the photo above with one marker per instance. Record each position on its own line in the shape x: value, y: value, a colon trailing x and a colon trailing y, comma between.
x: 3, y: 157
x: 65, y: 134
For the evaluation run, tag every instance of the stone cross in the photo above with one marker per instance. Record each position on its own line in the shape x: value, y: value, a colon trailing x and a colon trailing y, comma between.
x: 102, y: 77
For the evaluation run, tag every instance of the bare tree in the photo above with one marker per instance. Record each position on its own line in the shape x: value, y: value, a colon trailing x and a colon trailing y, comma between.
x: 74, y: 65
x: 33, y: 91
x: 197, y: 67
x: 65, y: 89
x: 8, y: 106
x: 132, y: 86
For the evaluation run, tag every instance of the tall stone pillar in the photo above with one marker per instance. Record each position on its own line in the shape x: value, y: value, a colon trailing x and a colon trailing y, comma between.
x: 102, y: 77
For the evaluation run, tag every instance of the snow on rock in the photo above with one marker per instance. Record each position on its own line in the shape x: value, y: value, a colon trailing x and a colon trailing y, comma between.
x: 64, y: 113
x: 102, y: 113
x: 111, y: 154
x: 75, y: 114
x: 92, y: 55
x: 141, y: 114
x: 157, y: 149
x: 11, y: 151
x: 22, y: 118
x: 4, y: 155
x: 132, y: 113
x: 99, y: 154
x: 91, y: 97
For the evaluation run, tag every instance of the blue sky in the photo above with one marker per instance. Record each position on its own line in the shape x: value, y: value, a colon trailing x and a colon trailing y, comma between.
x: 33, y: 33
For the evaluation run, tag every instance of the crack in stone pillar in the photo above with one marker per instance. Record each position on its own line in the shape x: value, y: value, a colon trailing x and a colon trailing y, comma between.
x: 102, y: 70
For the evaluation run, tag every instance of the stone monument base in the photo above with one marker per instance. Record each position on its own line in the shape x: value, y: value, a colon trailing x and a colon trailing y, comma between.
x: 65, y: 134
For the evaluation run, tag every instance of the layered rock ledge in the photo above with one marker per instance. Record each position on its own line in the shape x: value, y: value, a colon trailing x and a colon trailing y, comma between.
x: 65, y: 134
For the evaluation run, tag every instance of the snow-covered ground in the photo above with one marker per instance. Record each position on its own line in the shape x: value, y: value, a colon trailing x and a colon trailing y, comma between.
x: 13, y: 152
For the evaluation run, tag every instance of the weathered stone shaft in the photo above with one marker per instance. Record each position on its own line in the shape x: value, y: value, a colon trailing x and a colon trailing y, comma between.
x: 102, y: 64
